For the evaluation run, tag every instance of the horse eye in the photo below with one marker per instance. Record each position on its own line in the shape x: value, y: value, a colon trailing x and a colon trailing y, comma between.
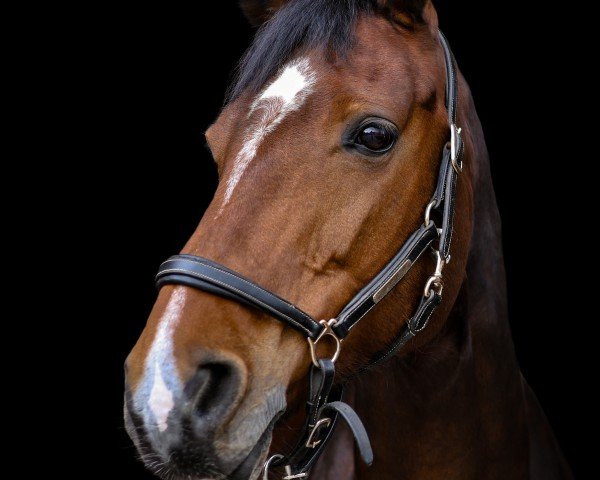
x: 376, y: 137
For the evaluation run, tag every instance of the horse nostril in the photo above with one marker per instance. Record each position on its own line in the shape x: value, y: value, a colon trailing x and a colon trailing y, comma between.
x: 212, y: 390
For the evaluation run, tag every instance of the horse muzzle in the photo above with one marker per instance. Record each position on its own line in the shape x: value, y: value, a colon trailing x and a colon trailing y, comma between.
x: 208, y: 428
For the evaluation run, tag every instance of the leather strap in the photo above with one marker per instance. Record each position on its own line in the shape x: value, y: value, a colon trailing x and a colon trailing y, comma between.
x: 440, y: 189
x: 378, y: 288
x: 445, y: 193
x: 451, y: 79
x: 448, y: 212
x: 444, y: 197
x: 321, y: 381
x: 415, y: 325
x: 206, y: 275
x: 303, y: 456
x: 325, y: 406
x: 356, y: 426
x: 424, y: 311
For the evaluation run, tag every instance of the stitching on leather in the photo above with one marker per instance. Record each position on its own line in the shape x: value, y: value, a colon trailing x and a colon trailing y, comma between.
x: 395, y: 346
x: 385, y: 279
x: 243, y: 294
x: 266, y: 292
x: 253, y: 285
x: 351, y: 312
x: 427, y: 310
x: 451, y: 201
x: 444, y: 175
x: 402, y: 341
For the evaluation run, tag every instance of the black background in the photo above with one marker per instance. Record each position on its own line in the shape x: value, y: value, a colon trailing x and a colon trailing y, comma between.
x: 158, y: 78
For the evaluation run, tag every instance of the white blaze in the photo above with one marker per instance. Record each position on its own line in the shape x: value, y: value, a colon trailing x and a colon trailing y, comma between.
x: 285, y: 94
x: 161, y: 399
x: 161, y: 384
x: 289, y: 83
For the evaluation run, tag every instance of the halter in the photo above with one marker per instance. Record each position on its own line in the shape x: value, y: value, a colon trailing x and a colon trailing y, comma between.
x: 324, y: 406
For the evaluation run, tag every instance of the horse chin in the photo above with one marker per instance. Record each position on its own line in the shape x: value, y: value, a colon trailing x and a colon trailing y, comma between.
x: 252, y: 428
x: 249, y: 469
x: 251, y: 466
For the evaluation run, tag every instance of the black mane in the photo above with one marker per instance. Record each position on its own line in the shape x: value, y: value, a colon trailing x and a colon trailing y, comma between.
x: 306, y: 23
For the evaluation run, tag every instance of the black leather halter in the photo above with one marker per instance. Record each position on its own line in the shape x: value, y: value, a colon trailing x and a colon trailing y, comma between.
x: 324, y: 406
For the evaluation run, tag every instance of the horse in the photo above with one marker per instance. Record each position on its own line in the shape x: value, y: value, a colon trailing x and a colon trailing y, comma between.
x: 328, y: 151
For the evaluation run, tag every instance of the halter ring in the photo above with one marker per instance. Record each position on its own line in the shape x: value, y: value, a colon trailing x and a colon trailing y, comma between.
x: 430, y: 205
x: 327, y: 331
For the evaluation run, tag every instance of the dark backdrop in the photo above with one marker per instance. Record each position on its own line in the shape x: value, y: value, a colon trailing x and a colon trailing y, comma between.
x: 159, y: 76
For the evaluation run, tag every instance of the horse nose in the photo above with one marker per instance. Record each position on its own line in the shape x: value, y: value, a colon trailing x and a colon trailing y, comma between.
x: 169, y: 410
x: 212, y: 394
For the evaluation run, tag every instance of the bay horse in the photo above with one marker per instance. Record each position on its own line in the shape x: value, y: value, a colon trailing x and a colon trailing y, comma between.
x: 328, y: 151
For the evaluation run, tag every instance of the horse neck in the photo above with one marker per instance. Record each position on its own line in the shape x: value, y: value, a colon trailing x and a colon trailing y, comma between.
x: 455, y: 408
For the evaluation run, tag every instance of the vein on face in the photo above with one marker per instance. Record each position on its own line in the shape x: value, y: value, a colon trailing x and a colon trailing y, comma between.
x: 285, y: 94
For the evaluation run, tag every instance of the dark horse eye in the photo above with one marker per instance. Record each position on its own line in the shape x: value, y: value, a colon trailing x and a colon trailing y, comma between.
x: 376, y: 137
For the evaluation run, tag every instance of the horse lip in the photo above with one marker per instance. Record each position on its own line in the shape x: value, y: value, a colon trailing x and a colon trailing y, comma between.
x: 258, y: 453
x: 245, y: 470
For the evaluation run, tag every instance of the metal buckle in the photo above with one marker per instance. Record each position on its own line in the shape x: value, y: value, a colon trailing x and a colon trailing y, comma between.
x: 289, y: 476
x: 310, y: 443
x: 268, y: 464
x: 454, y: 139
x: 327, y: 331
x: 287, y: 468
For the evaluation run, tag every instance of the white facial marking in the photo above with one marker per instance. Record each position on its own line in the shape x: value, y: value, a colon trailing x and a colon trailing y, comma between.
x: 285, y: 94
x: 289, y: 84
x: 161, y: 384
x: 161, y: 400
